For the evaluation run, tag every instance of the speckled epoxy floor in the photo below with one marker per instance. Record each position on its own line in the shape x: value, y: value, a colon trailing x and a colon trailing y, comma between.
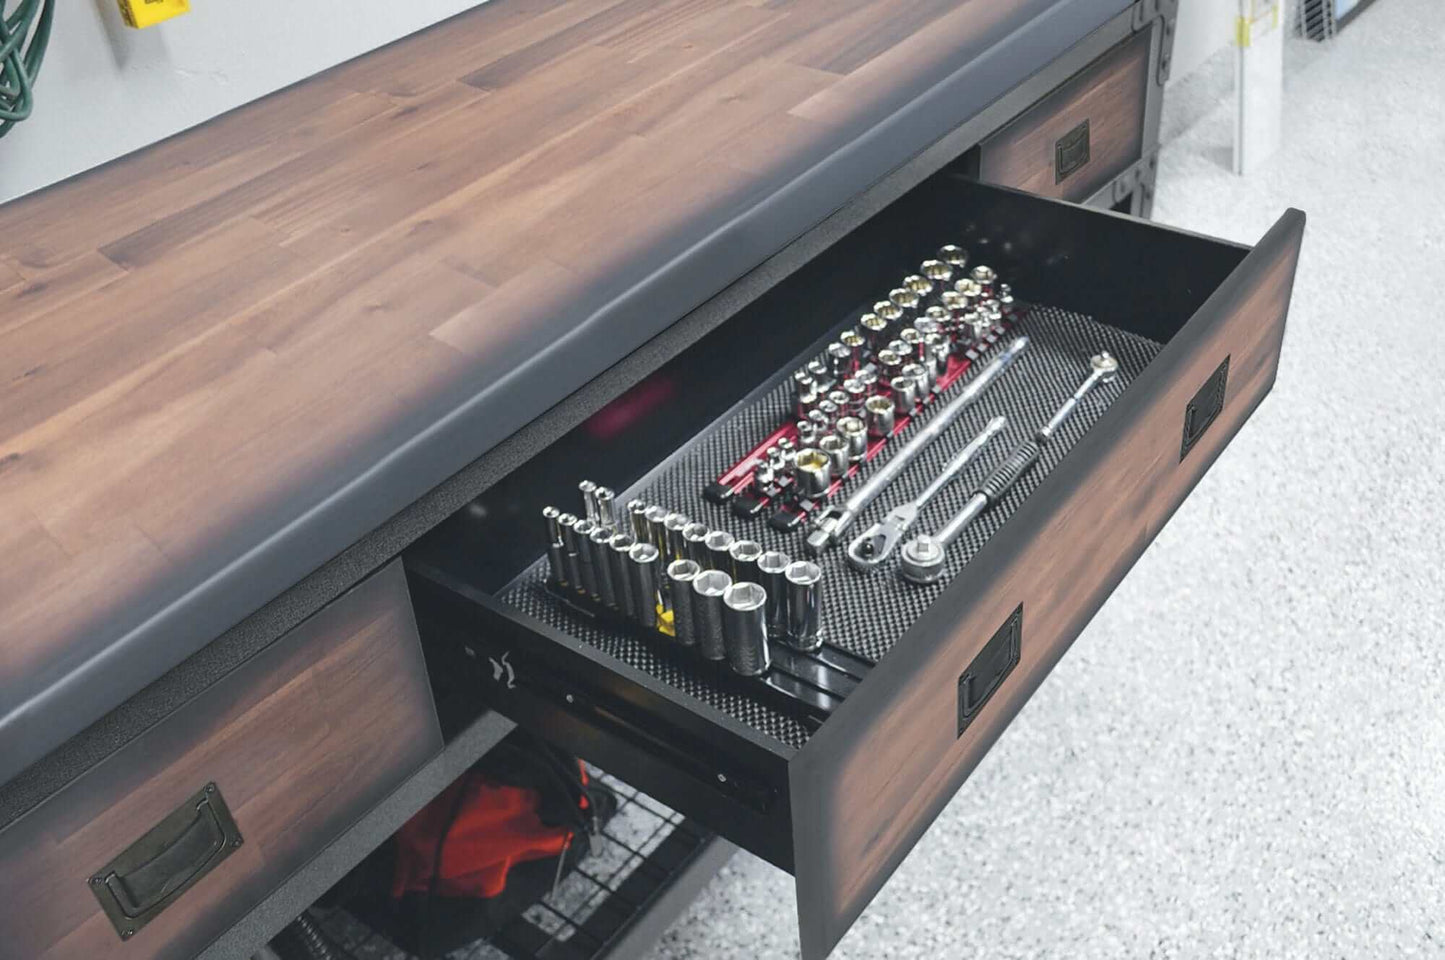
x: 1244, y: 754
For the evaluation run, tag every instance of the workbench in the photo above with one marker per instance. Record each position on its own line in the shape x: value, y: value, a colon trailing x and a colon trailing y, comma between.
x: 244, y: 369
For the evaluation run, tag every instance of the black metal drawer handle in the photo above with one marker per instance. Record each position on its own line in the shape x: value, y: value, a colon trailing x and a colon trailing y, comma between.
x: 1071, y: 152
x: 155, y: 870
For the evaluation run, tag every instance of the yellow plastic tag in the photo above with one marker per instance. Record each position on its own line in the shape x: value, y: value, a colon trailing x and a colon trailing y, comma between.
x: 145, y: 13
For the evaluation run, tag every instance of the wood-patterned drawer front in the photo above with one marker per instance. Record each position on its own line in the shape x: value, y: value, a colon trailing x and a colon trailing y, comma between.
x: 1082, y: 135
x: 300, y: 741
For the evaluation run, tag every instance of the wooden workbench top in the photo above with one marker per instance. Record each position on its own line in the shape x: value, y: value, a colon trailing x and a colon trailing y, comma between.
x: 225, y: 358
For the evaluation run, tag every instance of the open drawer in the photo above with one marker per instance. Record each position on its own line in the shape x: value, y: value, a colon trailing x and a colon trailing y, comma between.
x: 924, y: 678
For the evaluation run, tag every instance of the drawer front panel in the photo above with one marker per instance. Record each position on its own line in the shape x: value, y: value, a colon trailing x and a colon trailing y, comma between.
x: 861, y: 800
x: 297, y: 743
x: 1082, y: 135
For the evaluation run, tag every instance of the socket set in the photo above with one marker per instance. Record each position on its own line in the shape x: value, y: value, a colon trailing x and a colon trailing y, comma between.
x: 749, y: 615
x: 891, y: 367
x: 886, y: 506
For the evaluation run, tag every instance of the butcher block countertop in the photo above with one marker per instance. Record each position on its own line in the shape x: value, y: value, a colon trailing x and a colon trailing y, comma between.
x: 227, y: 357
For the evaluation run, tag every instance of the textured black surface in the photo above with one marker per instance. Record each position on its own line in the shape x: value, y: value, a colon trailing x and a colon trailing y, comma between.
x: 866, y: 614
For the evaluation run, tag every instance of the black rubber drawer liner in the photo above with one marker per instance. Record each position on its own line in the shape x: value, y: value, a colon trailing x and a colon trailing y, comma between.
x: 866, y: 614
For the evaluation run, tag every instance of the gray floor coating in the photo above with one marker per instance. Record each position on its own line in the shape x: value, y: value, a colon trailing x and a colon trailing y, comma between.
x: 1244, y: 754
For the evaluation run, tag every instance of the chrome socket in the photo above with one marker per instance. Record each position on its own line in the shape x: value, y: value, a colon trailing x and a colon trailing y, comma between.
x: 873, y: 329
x: 673, y: 525
x: 656, y: 517
x: 814, y: 471
x: 840, y: 360
x: 618, y: 546
x: 985, y: 277
x: 708, y: 588
x: 807, y: 432
x: 953, y: 255
x: 571, y: 562
x: 905, y: 395
x: 920, y: 286
x: 878, y: 415
x: 856, y: 391
x: 771, y: 567
x: 556, y: 562
x: 695, y: 535
x: 588, y: 489
x: 854, y: 341
x: 837, y: 450
x: 906, y: 300
x: 890, y: 364
x: 745, y: 628
x: 937, y: 272
x: 587, y: 560
x: 643, y: 562
x: 805, y: 604
x: 680, y: 577
x: 601, y: 556
x: 912, y: 339
x: 744, y: 554
x: 606, y: 499
x: 855, y: 438
x: 637, y: 519
x: 718, y: 543
x: 920, y: 375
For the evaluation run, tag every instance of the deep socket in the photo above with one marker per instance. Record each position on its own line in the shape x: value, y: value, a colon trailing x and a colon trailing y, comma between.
x: 643, y: 561
x: 656, y: 517
x: 745, y: 555
x: 708, y: 588
x: 673, y: 525
x: 680, y: 575
x: 587, y: 560
x: 606, y: 507
x: 618, y: 546
x: 570, y: 561
x: 637, y: 517
x: 555, y: 549
x: 771, y: 567
x: 694, y: 535
x: 805, y: 604
x: 588, y: 489
x: 718, y: 543
x: 597, y: 542
x: 745, y: 628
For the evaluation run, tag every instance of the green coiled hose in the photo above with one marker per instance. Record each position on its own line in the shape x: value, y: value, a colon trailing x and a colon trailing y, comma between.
x: 21, y: 52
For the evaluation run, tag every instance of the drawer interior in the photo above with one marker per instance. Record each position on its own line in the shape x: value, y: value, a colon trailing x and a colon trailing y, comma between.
x: 1085, y: 282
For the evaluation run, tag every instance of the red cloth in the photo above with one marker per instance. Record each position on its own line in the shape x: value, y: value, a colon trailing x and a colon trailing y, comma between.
x: 496, y: 827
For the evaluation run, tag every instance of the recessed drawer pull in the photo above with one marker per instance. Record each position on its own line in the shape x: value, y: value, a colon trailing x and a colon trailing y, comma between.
x: 154, y: 871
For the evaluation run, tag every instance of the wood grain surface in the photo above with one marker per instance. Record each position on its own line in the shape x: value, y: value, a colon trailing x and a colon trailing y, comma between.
x: 207, y: 340
x: 302, y: 740
x: 1109, y: 95
x: 860, y: 801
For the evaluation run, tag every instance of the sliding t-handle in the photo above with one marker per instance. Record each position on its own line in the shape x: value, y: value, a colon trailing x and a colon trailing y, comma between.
x: 922, y: 558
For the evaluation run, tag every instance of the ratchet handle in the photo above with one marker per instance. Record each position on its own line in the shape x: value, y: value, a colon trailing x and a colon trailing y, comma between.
x: 1006, y: 474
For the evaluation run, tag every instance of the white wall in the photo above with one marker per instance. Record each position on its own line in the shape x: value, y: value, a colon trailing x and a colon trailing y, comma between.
x: 106, y: 90
x: 1203, y: 28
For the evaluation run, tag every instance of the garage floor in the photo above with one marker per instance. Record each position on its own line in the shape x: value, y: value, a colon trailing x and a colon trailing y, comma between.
x: 1244, y: 755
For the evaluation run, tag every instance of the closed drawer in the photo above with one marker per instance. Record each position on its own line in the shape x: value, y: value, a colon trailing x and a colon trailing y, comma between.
x: 1080, y: 136
x: 833, y: 765
x: 165, y: 844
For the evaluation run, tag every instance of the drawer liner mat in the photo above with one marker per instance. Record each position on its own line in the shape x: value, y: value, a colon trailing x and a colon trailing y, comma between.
x: 867, y: 614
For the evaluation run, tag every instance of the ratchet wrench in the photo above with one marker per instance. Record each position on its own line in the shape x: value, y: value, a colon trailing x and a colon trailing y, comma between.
x: 922, y: 558
x: 874, y: 545
x: 831, y: 524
